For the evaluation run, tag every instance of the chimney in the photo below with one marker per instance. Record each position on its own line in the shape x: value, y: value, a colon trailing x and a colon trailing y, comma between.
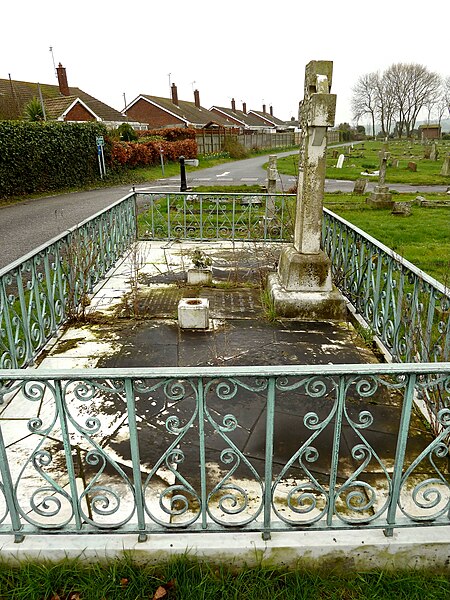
x: 264, y: 108
x: 197, y: 98
x: 271, y: 110
x: 244, y: 108
x: 62, y: 80
x: 233, y: 105
x: 174, y: 94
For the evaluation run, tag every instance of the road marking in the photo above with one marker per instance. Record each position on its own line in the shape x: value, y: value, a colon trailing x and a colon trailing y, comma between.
x: 202, y: 179
x: 249, y: 178
x: 223, y: 174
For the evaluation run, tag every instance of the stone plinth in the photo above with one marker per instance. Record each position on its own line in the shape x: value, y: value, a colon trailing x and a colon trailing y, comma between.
x: 196, y: 276
x: 380, y: 197
x: 193, y: 313
x: 307, y: 305
x: 303, y: 289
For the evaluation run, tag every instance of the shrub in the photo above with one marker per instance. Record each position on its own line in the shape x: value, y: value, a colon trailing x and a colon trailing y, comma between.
x: 234, y: 148
x: 171, y: 134
x: 127, y: 133
x: 43, y: 156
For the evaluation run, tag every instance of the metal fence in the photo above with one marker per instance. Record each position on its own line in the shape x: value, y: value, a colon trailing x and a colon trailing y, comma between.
x: 407, y: 309
x: 216, y: 216
x: 152, y: 450
x: 43, y: 289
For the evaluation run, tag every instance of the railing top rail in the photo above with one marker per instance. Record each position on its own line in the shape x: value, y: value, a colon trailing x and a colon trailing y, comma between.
x: 39, y: 249
x: 400, y: 259
x: 250, y: 371
x: 220, y: 194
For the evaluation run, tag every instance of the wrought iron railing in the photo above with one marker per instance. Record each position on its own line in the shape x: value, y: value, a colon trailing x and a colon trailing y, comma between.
x: 201, y: 449
x: 43, y: 289
x: 407, y: 309
x: 216, y: 216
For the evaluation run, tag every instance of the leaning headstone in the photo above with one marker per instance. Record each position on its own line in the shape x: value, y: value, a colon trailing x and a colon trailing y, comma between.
x: 446, y: 166
x: 402, y: 209
x: 340, y: 161
x: 412, y: 166
x: 302, y: 288
x: 381, y: 196
x: 395, y: 164
x: 427, y: 152
x: 360, y: 186
x: 434, y: 154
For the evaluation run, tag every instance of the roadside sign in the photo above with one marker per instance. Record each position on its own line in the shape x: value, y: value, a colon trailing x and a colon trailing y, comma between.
x: 100, y: 140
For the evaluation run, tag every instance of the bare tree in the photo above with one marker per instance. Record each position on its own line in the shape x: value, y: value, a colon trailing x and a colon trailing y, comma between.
x: 364, y: 99
x: 385, y: 101
x: 412, y: 86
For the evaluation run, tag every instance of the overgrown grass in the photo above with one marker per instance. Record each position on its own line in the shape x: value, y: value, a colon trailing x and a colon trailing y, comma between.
x: 423, y: 238
x: 365, y: 158
x: 190, y: 580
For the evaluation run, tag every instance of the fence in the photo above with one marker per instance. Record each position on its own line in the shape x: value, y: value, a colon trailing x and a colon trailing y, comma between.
x: 216, y: 216
x: 407, y: 309
x: 212, y: 140
x: 39, y: 292
x: 151, y: 450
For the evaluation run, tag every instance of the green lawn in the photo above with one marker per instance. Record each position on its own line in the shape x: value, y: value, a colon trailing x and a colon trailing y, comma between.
x: 423, y: 238
x: 184, y: 579
x: 364, y: 158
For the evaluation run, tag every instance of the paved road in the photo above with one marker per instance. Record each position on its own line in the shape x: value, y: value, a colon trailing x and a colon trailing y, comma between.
x: 27, y: 225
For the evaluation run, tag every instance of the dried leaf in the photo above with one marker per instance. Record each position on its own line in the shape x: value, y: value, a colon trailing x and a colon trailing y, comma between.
x: 170, y: 584
x: 124, y: 582
x: 75, y: 596
x: 160, y: 593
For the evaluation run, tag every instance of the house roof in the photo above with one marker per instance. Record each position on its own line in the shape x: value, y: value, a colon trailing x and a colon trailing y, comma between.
x: 186, y: 111
x: 268, y: 118
x: 15, y: 95
x: 247, y: 119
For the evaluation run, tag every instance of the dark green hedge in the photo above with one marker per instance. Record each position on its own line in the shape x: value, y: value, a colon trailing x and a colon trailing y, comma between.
x: 39, y: 157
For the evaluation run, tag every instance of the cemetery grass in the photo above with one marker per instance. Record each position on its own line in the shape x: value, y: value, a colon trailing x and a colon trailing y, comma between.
x: 367, y: 160
x: 423, y: 238
x: 184, y: 578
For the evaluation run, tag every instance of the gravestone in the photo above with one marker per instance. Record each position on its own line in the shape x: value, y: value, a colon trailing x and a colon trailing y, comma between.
x: 446, y: 166
x: 360, y: 186
x: 340, y: 161
x: 402, y: 209
x: 335, y: 154
x: 272, y: 176
x: 427, y: 152
x: 302, y: 288
x: 412, y: 166
x: 434, y: 153
x: 381, y: 197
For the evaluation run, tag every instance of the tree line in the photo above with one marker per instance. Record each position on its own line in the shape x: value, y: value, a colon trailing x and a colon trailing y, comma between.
x: 394, y: 98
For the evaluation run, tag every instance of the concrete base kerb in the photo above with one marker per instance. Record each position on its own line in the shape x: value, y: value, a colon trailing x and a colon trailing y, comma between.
x: 337, y: 550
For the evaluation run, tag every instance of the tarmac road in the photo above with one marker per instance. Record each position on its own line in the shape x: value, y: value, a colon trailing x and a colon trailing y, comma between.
x: 27, y: 225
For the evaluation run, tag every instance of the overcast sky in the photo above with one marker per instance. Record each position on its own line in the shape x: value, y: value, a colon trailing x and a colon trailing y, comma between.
x: 252, y: 50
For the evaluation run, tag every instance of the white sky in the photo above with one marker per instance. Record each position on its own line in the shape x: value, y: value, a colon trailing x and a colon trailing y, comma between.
x: 252, y: 50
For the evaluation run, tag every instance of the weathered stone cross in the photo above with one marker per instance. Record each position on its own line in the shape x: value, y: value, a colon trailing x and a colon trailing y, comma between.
x: 303, y: 288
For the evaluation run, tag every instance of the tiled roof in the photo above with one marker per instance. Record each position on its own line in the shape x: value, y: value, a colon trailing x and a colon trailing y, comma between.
x: 187, y: 111
x: 15, y: 95
x: 268, y: 117
x: 246, y: 118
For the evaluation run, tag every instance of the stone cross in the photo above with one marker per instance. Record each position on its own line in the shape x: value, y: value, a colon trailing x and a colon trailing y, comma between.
x: 317, y: 113
x: 384, y: 157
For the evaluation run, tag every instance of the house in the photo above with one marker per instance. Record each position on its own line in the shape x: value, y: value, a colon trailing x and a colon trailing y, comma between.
x: 249, y: 120
x: 61, y: 102
x: 160, y: 112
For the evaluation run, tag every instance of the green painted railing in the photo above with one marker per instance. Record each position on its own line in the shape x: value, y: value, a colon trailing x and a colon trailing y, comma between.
x: 204, y: 449
x: 216, y: 216
x: 43, y: 289
x: 407, y: 309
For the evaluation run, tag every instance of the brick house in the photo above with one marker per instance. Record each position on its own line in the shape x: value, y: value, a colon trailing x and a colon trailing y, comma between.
x: 160, y: 112
x: 61, y: 102
x: 251, y: 120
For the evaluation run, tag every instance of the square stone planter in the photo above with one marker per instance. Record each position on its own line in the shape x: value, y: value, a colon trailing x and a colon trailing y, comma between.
x: 196, y: 276
x: 193, y: 313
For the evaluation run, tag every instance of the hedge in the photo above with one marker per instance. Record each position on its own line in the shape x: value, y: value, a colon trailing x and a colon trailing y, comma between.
x: 170, y: 134
x: 132, y: 154
x: 39, y: 157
